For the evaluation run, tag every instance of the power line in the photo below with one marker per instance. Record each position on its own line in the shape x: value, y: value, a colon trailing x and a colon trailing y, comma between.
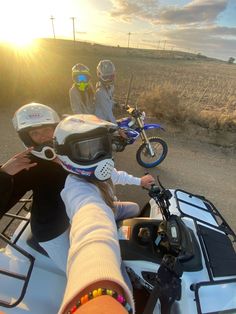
x: 164, y: 45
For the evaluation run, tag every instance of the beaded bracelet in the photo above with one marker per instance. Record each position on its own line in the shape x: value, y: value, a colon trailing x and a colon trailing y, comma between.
x: 97, y: 293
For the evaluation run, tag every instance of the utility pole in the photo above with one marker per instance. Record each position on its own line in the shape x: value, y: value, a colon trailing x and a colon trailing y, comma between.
x: 73, y: 23
x: 164, y: 45
x: 128, y: 38
x: 53, y: 29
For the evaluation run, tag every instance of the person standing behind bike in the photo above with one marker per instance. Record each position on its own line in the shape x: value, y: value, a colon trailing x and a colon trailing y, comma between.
x: 104, y: 101
x: 82, y: 92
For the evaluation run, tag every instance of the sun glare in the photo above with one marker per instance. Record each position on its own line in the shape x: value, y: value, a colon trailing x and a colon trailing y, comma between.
x: 17, y: 27
x: 23, y: 42
x: 18, y: 34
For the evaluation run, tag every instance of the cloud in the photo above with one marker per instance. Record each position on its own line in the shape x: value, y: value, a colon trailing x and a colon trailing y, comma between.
x: 201, y: 35
x: 189, y: 27
x: 197, y: 11
x: 129, y: 9
x: 194, y: 12
x: 215, y: 41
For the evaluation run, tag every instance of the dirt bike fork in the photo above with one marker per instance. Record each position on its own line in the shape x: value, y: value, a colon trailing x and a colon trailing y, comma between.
x: 147, y: 142
x: 145, y: 138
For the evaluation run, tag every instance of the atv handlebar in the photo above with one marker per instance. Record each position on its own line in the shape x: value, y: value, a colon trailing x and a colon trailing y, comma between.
x: 161, y: 197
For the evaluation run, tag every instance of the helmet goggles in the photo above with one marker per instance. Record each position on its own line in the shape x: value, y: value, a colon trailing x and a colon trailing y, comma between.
x: 79, y: 78
x: 83, y: 145
x: 88, y: 150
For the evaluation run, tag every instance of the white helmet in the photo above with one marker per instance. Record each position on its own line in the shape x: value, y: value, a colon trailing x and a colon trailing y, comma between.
x: 31, y: 116
x: 106, y: 71
x: 83, y: 144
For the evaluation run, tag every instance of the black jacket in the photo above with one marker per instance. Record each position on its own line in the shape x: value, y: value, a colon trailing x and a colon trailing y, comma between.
x: 46, y: 180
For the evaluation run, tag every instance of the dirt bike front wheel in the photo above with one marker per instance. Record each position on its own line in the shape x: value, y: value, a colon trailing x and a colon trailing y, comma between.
x: 159, y: 148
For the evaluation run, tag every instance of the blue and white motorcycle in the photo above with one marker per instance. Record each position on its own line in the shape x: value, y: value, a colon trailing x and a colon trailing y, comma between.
x: 180, y: 252
x: 153, y: 150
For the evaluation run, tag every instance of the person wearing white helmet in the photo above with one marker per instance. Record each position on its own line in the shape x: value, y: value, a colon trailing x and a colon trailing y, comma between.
x: 104, y: 102
x: 29, y: 120
x: 82, y: 92
x: 36, y: 169
x: 83, y: 145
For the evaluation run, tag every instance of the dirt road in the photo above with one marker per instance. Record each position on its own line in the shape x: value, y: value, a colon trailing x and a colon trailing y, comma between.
x: 197, y: 167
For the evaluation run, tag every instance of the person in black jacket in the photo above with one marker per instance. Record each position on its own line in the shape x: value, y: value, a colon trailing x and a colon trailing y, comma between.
x: 37, y: 169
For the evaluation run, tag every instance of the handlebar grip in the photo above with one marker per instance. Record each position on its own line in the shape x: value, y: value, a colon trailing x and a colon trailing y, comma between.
x: 124, y: 106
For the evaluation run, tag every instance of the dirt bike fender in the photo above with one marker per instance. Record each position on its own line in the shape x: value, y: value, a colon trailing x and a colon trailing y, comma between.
x: 153, y: 126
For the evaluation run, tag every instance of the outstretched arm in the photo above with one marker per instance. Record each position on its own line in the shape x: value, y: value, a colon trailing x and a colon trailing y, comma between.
x: 94, y: 259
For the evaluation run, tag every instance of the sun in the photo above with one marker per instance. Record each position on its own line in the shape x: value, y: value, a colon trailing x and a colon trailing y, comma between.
x: 18, y: 27
x: 22, y: 42
x: 18, y: 34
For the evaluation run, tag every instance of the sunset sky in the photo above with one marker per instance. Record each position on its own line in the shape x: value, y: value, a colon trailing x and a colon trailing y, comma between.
x: 199, y: 26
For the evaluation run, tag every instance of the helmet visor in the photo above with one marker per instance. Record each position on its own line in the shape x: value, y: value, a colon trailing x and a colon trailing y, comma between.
x: 81, y: 78
x: 90, y: 150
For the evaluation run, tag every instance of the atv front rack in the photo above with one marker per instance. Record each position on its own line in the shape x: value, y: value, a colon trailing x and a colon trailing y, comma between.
x: 217, y: 240
x: 209, y: 208
x: 8, y: 244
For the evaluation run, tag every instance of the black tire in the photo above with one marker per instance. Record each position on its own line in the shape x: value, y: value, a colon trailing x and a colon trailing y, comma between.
x: 160, y: 149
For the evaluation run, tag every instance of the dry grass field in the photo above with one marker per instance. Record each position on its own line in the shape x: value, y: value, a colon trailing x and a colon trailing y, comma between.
x: 191, y: 91
x: 200, y: 92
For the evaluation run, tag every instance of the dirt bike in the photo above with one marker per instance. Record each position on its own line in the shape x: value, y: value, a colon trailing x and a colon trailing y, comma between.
x: 152, y: 151
x: 180, y: 250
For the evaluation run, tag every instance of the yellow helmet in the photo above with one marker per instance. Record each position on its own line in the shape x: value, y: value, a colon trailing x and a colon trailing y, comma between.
x: 81, y: 76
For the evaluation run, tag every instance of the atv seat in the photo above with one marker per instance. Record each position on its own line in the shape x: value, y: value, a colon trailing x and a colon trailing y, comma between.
x: 33, y: 243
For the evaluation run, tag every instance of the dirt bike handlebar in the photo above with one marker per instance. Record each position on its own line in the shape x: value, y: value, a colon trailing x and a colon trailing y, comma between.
x: 132, y: 111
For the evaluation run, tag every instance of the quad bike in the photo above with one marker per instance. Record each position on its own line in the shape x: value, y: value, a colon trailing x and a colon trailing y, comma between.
x: 181, y: 250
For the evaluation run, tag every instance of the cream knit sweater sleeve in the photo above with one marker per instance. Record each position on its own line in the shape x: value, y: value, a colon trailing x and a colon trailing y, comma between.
x: 94, y: 253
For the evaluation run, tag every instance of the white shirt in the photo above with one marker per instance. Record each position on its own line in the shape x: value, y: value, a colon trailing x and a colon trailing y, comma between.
x: 78, y: 192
